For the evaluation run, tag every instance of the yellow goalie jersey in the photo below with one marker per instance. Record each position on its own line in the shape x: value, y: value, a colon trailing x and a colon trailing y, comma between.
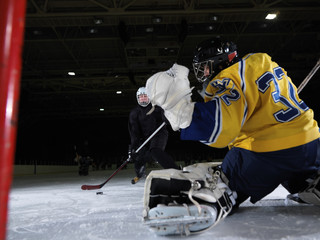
x: 254, y: 105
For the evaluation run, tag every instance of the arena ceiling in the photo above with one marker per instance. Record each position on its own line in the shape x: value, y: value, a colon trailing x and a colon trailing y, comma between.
x: 115, y: 45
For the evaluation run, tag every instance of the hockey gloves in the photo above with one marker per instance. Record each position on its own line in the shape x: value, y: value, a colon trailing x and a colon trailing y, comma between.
x: 171, y: 91
x: 132, y: 155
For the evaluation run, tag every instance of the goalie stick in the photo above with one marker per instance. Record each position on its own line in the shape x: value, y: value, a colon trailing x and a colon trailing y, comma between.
x: 92, y: 187
x: 309, y: 76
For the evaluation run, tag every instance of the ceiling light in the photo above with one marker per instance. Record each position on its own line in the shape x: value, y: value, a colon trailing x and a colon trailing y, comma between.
x: 98, y: 21
x: 93, y: 30
x: 101, y: 109
x: 264, y: 25
x: 118, y: 92
x: 149, y: 29
x: 271, y: 16
x: 71, y: 73
x: 157, y: 20
x: 214, y: 18
x: 210, y: 28
x: 37, y: 32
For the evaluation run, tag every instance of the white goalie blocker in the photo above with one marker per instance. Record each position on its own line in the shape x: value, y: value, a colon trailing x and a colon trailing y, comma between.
x: 171, y: 91
x: 183, y: 202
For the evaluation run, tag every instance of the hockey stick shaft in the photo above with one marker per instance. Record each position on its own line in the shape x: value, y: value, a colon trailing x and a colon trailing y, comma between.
x: 309, y: 76
x: 151, y: 136
x: 92, y: 187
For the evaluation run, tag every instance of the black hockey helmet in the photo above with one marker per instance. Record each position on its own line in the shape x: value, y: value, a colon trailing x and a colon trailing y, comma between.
x: 211, y: 56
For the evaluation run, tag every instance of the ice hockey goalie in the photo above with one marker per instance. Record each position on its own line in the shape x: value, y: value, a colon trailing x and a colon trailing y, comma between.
x: 188, y: 201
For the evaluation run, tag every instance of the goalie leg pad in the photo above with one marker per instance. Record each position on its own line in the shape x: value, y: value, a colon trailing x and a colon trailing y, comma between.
x: 186, y: 201
x: 312, y: 193
x: 181, y: 220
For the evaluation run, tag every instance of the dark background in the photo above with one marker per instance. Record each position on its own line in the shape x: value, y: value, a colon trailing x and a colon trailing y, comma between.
x: 132, y: 41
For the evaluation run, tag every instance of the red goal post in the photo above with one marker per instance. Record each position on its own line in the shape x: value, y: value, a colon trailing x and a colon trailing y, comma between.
x: 12, y: 20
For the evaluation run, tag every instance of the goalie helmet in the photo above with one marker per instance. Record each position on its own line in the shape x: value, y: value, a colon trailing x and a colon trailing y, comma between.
x: 142, y: 97
x: 211, y: 56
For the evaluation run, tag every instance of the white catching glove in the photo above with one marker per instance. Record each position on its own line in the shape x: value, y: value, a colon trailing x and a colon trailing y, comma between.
x: 171, y: 91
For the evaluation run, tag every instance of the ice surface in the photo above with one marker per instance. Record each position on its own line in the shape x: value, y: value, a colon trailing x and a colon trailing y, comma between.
x: 53, y: 207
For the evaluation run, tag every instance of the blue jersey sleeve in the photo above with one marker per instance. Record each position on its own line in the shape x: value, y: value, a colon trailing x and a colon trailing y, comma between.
x: 206, y: 122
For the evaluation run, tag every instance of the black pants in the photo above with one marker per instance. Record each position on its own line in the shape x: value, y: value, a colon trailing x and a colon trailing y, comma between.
x: 84, y: 166
x: 155, y: 154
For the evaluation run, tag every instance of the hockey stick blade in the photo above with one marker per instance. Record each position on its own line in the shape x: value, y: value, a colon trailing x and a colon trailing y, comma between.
x: 92, y: 187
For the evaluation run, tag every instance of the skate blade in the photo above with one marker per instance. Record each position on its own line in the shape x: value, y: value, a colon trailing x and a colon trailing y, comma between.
x: 180, y: 220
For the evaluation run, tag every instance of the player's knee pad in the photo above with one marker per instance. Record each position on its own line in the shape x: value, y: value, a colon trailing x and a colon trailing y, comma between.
x: 312, y: 193
x: 186, y: 201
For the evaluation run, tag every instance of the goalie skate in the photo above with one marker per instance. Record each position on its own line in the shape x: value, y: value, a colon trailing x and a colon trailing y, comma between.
x: 295, y: 197
x: 312, y: 193
x: 181, y: 219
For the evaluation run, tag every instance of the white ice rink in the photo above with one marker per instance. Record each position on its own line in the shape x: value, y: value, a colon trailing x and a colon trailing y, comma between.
x: 53, y: 207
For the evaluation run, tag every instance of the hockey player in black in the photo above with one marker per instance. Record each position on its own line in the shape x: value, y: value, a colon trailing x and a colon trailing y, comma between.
x: 83, y: 157
x: 141, y: 126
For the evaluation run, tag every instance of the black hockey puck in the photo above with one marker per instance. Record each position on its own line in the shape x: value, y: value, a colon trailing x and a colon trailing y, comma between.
x: 99, y: 193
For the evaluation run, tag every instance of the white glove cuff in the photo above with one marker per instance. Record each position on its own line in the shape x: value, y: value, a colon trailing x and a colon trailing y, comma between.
x: 180, y: 116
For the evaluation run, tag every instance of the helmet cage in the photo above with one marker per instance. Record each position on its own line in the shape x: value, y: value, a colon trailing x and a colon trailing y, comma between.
x: 142, y: 97
x: 200, y: 70
x: 143, y: 100
x: 212, y: 56
x: 214, y: 66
